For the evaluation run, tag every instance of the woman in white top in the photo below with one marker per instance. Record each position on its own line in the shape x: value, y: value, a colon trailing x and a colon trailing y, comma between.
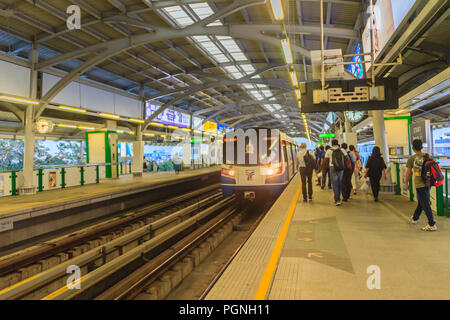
x: 358, y: 168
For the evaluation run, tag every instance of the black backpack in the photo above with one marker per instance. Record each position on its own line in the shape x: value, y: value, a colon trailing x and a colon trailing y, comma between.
x: 310, y: 163
x: 338, y: 160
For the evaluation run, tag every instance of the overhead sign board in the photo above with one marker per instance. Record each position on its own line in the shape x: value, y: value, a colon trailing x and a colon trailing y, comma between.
x: 168, y: 116
x: 350, y: 95
x: 420, y: 130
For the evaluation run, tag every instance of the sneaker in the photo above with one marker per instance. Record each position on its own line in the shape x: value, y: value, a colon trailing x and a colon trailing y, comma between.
x: 338, y: 203
x: 304, y: 200
x: 412, y: 221
x: 310, y: 199
x: 429, y: 228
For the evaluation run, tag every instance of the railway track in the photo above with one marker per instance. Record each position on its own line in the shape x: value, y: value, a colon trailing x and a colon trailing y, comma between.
x: 29, y: 264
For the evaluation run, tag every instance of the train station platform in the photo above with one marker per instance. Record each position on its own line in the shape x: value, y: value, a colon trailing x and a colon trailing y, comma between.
x: 53, y: 210
x: 315, y: 250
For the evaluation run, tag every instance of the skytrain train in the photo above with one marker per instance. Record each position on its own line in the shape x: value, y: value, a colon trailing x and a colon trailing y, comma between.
x: 257, y: 163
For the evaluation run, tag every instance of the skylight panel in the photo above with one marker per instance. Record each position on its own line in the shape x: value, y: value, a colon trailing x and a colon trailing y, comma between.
x: 231, y: 69
x: 203, y: 11
x: 248, y: 68
x: 179, y: 16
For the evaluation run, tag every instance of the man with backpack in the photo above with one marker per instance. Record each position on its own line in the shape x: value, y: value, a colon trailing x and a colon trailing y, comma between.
x: 307, y: 163
x: 348, y: 172
x: 326, y: 170
x: 426, y: 174
x: 336, y: 159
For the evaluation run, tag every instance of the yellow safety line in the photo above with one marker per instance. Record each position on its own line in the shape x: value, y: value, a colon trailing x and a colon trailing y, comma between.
x: 61, y: 290
x: 18, y: 284
x: 273, y: 261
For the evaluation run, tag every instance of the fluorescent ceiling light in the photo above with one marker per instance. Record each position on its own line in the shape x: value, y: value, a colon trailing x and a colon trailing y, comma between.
x: 86, y: 128
x: 298, y: 93
x: 68, y: 126
x: 294, y: 79
x: 79, y: 110
x: 20, y: 100
x: 172, y: 127
x: 277, y: 9
x: 286, y: 45
x: 109, y: 115
x: 156, y: 124
x: 136, y: 120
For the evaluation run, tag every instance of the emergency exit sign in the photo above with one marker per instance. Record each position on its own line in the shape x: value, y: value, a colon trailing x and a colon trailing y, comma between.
x: 326, y: 135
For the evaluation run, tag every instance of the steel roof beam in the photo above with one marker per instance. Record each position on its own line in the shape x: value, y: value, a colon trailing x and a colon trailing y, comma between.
x: 237, y: 5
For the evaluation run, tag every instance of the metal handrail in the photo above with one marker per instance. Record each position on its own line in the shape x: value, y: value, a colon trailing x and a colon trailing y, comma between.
x: 49, y: 167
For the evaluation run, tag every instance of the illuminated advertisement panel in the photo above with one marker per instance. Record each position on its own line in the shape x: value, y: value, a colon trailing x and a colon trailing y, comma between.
x: 210, y: 127
x: 221, y: 128
x: 168, y: 116
x: 357, y: 69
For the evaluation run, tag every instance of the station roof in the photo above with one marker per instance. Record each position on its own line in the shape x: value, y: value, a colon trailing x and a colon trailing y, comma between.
x: 220, y: 59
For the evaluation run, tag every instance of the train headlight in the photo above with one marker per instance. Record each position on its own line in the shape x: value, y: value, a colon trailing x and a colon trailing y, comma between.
x: 228, y: 172
x: 272, y: 171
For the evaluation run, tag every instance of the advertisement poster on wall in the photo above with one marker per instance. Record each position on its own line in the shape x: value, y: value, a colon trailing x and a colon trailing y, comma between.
x: 2, y: 185
x: 388, y: 15
x: 51, y: 180
x: 168, y: 116
x: 383, y: 24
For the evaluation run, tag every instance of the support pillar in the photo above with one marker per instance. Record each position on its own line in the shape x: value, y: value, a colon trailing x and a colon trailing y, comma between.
x: 138, y: 153
x: 28, y: 155
x: 351, y: 138
x: 379, y: 132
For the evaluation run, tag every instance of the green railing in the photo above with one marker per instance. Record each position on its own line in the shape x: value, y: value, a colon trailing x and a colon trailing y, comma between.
x: 60, y: 173
x: 441, y: 192
x: 446, y: 194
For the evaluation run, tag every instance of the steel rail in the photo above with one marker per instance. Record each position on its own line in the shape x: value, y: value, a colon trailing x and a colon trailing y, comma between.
x: 49, y: 248
x: 129, y: 287
x: 31, y: 284
x: 94, y: 277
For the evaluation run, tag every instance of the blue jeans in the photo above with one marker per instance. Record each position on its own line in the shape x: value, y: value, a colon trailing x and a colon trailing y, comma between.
x: 423, y: 195
x: 336, y: 181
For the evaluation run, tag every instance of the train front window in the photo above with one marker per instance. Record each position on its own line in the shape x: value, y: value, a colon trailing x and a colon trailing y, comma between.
x: 251, y: 147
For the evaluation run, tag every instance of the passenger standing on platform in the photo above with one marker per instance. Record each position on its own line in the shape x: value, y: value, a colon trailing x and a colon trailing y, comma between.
x: 348, y: 172
x: 177, y: 163
x: 415, y: 164
x: 307, y: 163
x: 337, y: 164
x: 319, y: 160
x: 326, y: 169
x: 375, y: 167
x: 358, y: 167
x: 146, y: 163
